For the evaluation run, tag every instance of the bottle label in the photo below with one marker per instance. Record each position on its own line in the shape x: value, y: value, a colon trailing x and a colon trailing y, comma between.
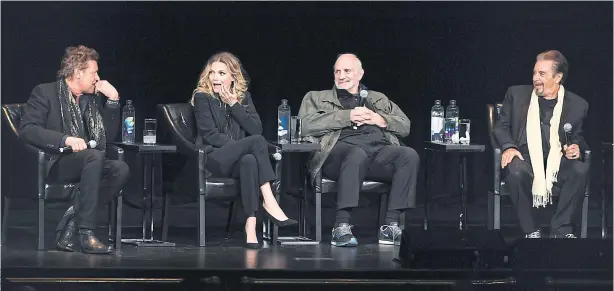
x: 129, y: 125
x: 282, y: 126
x: 436, y: 124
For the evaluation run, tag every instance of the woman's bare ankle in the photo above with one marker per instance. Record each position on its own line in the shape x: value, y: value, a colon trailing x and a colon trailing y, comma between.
x: 250, y: 232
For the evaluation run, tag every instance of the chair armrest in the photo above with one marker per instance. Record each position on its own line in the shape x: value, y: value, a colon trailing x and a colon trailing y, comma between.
x: 201, y: 154
x: 42, y: 173
x: 116, y: 149
x: 497, y: 170
x: 587, y: 161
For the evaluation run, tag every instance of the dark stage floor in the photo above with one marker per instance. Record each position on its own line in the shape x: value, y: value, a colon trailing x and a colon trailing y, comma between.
x: 226, y: 265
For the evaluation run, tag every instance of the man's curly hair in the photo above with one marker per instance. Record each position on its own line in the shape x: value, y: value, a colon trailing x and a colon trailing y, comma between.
x: 76, y: 58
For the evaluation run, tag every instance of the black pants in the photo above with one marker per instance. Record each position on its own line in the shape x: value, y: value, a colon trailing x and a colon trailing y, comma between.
x: 571, y: 181
x: 248, y: 160
x: 350, y: 166
x: 99, y: 181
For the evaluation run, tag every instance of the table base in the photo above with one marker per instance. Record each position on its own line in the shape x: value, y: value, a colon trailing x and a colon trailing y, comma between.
x: 139, y: 242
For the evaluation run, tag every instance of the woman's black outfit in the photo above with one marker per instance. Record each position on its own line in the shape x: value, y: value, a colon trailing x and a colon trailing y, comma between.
x: 239, y: 151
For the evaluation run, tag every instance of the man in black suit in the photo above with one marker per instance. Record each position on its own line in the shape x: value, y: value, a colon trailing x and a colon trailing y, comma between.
x: 78, y: 107
x: 538, y: 155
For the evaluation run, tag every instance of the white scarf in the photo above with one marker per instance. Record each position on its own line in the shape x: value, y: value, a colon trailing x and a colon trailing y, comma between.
x: 542, y: 182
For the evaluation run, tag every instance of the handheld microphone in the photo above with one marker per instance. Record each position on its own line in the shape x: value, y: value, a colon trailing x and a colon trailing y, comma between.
x: 363, y: 100
x: 567, y: 128
x: 90, y: 144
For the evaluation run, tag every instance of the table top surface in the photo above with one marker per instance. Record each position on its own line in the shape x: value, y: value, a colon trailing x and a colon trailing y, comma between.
x: 445, y: 147
x: 143, y: 148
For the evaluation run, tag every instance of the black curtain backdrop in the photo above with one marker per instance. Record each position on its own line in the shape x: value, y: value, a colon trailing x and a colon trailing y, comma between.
x: 414, y: 52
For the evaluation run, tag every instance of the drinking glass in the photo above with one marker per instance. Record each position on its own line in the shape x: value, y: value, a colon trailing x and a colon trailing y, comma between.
x: 295, y: 129
x: 149, y: 133
x: 464, y: 129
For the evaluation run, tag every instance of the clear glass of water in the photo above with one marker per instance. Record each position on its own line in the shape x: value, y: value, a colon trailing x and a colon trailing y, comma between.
x: 464, y: 129
x: 149, y: 133
x: 295, y: 129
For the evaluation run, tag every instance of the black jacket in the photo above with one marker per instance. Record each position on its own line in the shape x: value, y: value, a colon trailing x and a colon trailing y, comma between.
x: 210, y: 114
x: 41, y: 124
x: 511, y: 125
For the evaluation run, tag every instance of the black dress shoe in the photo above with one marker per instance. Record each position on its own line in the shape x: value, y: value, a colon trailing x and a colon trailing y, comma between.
x: 90, y: 244
x: 65, y: 240
x: 280, y: 222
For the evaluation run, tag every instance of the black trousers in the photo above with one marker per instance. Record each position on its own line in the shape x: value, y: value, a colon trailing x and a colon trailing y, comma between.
x: 571, y: 181
x: 248, y: 160
x: 99, y: 181
x: 350, y: 165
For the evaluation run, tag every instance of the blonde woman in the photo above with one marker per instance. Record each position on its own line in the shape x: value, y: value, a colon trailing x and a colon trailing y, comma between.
x: 227, y: 120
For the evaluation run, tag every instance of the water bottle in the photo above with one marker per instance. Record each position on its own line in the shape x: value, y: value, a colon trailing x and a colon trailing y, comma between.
x: 283, y: 122
x: 451, y: 123
x: 128, y: 122
x: 437, y: 116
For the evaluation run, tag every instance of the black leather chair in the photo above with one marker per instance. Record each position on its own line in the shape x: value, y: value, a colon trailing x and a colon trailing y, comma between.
x: 322, y: 185
x: 184, y: 172
x: 49, y: 192
x: 494, y: 197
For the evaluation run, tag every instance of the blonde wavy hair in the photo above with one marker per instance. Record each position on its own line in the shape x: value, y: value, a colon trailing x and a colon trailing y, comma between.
x: 204, y: 85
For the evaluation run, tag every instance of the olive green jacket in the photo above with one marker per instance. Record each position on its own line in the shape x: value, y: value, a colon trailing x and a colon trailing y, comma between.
x: 322, y: 118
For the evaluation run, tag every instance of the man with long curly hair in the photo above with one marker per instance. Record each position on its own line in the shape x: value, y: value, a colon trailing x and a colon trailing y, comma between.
x: 77, y: 107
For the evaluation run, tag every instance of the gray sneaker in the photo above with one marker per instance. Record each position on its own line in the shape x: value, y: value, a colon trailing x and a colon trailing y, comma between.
x: 390, y: 234
x: 343, y: 237
x: 563, y: 235
x: 535, y: 234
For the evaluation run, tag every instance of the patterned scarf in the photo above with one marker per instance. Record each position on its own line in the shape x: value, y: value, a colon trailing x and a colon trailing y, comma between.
x: 72, y: 120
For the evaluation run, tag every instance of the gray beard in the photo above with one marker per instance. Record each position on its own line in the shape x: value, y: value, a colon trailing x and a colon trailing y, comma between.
x: 539, y: 94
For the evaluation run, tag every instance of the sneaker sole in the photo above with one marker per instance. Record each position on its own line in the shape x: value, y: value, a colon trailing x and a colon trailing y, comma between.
x: 385, y: 242
x: 352, y: 243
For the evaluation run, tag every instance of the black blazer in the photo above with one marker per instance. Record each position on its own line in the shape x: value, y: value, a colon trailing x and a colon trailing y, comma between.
x: 210, y: 116
x: 511, y: 125
x: 41, y: 125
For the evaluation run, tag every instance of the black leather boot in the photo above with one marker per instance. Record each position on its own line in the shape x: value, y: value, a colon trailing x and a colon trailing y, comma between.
x: 90, y: 244
x: 65, y: 231
x: 65, y: 241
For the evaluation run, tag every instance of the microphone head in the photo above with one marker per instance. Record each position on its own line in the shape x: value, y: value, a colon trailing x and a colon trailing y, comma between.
x: 364, y: 93
x: 277, y: 156
x: 92, y: 144
x: 567, y: 127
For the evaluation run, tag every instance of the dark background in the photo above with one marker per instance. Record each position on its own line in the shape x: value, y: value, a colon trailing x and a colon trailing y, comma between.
x: 415, y: 53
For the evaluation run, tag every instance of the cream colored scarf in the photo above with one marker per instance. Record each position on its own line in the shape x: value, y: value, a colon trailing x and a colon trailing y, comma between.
x: 542, y: 182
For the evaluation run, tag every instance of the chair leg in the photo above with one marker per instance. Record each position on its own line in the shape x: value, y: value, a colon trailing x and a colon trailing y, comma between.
x: 306, y: 208
x: 584, y: 223
x: 111, y: 213
x: 318, y: 208
x: 165, y: 214
x: 201, y: 220
x: 232, y: 215
x: 118, y: 222
x: 604, y: 213
x: 5, y: 213
x: 490, y: 213
x: 301, y: 218
x: 497, y: 212
x: 403, y: 220
x: 41, y: 225
x: 383, y: 206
